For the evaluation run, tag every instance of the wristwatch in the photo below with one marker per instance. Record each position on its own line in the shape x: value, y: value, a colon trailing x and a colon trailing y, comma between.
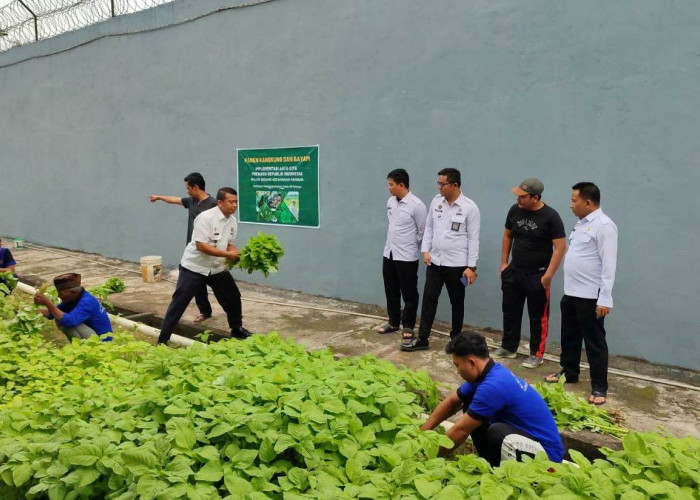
x: 473, y: 268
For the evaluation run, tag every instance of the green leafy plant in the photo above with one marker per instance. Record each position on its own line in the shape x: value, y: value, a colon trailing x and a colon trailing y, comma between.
x: 8, y: 282
x: 261, y: 253
x: 109, y: 287
x: 576, y: 413
x: 263, y: 419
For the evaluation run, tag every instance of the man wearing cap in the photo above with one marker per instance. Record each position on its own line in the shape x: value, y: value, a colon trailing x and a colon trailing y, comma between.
x: 204, y: 263
x: 450, y: 250
x: 535, y: 234
x: 79, y: 314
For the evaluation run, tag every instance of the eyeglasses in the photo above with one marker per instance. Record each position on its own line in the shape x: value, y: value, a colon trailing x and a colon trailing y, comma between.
x: 442, y: 184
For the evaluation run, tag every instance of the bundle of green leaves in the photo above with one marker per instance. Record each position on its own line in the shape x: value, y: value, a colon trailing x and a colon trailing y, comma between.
x: 265, y: 419
x: 109, y: 287
x: 261, y: 253
x: 576, y: 413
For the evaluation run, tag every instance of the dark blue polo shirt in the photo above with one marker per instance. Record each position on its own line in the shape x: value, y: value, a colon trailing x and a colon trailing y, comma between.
x: 87, y: 309
x: 502, y: 397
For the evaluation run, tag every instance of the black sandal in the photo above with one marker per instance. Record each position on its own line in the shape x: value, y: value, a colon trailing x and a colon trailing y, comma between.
x: 387, y: 328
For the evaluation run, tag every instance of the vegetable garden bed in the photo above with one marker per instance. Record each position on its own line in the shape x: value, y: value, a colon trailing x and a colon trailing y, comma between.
x: 260, y: 419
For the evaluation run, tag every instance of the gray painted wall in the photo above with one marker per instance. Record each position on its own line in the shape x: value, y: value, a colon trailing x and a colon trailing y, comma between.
x: 502, y: 89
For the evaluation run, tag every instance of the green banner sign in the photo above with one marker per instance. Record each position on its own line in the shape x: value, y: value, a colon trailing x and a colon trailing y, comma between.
x: 279, y: 186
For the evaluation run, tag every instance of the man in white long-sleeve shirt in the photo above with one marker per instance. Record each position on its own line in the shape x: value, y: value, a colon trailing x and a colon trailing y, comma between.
x: 406, y: 214
x: 450, y: 250
x: 589, y: 275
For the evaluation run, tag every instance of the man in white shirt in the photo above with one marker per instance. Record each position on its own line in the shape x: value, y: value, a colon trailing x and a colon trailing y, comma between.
x: 589, y: 275
x: 204, y: 263
x: 406, y: 215
x: 450, y: 250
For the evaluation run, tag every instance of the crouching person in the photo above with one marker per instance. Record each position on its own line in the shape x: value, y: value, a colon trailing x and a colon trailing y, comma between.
x: 503, y: 414
x: 79, y: 314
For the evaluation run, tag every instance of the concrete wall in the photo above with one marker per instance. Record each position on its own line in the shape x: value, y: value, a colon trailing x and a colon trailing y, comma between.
x: 502, y: 89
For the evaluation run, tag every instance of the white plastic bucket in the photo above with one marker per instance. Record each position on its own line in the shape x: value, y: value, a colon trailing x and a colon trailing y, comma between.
x: 152, y: 268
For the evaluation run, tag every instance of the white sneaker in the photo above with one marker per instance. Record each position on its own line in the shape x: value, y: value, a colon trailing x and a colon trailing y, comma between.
x: 503, y: 353
x: 532, y: 362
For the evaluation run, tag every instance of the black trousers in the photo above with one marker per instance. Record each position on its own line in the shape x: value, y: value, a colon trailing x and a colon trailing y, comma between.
x: 500, y: 441
x: 188, y: 282
x: 518, y: 287
x: 401, y: 279
x: 435, y: 277
x: 201, y: 298
x: 578, y: 323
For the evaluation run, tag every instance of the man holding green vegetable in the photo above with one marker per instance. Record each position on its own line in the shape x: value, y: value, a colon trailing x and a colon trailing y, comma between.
x: 204, y: 263
x: 79, y: 314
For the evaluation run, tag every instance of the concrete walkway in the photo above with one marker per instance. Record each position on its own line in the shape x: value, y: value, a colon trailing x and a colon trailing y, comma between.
x: 349, y: 329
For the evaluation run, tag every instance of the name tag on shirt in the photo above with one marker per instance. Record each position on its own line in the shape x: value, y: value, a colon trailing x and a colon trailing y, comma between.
x: 457, y: 223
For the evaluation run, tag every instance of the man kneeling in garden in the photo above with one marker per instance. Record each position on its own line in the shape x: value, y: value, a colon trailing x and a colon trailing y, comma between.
x: 79, y: 314
x: 504, y: 415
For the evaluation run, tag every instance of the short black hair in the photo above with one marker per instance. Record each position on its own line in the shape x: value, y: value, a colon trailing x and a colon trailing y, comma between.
x: 468, y: 344
x: 222, y: 192
x: 399, y: 176
x: 452, y: 174
x: 588, y: 191
x: 195, y: 179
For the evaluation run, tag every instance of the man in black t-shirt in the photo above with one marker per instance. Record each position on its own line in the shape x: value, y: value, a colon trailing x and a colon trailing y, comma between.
x: 197, y: 201
x: 535, y: 234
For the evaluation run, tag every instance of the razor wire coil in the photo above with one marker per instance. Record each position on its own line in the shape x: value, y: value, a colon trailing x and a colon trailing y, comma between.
x: 26, y: 21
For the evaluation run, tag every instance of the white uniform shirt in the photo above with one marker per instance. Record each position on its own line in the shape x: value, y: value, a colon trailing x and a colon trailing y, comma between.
x: 452, y: 232
x: 589, y: 264
x: 212, y: 228
x: 406, y: 225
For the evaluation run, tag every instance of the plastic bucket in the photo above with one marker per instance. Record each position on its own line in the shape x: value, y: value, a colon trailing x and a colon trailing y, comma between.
x: 19, y: 242
x: 152, y: 268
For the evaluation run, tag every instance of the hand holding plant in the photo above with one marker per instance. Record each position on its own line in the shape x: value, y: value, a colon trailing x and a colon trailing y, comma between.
x: 262, y: 253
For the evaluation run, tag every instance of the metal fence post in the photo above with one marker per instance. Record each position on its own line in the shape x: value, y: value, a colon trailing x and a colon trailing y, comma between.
x: 112, y: 2
x: 36, y: 25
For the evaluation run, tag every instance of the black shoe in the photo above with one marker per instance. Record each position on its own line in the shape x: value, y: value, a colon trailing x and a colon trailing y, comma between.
x: 417, y: 344
x: 240, y: 334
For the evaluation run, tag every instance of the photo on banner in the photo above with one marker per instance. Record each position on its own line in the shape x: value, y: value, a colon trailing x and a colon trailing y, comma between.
x: 279, y: 186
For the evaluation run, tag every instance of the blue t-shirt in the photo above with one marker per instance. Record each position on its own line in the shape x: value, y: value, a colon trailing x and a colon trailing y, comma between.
x: 501, y: 397
x: 88, y: 310
x: 6, y: 259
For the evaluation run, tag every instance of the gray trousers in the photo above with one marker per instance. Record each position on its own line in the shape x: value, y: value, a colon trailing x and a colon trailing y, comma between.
x: 81, y: 331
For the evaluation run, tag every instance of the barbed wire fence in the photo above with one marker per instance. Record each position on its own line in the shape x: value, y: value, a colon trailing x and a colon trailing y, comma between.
x: 27, y: 21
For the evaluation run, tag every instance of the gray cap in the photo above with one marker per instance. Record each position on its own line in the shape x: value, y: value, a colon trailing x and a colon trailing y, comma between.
x: 529, y: 186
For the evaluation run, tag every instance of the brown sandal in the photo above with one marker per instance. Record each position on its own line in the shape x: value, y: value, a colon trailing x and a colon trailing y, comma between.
x: 200, y: 317
x: 553, y: 378
x: 596, y: 397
